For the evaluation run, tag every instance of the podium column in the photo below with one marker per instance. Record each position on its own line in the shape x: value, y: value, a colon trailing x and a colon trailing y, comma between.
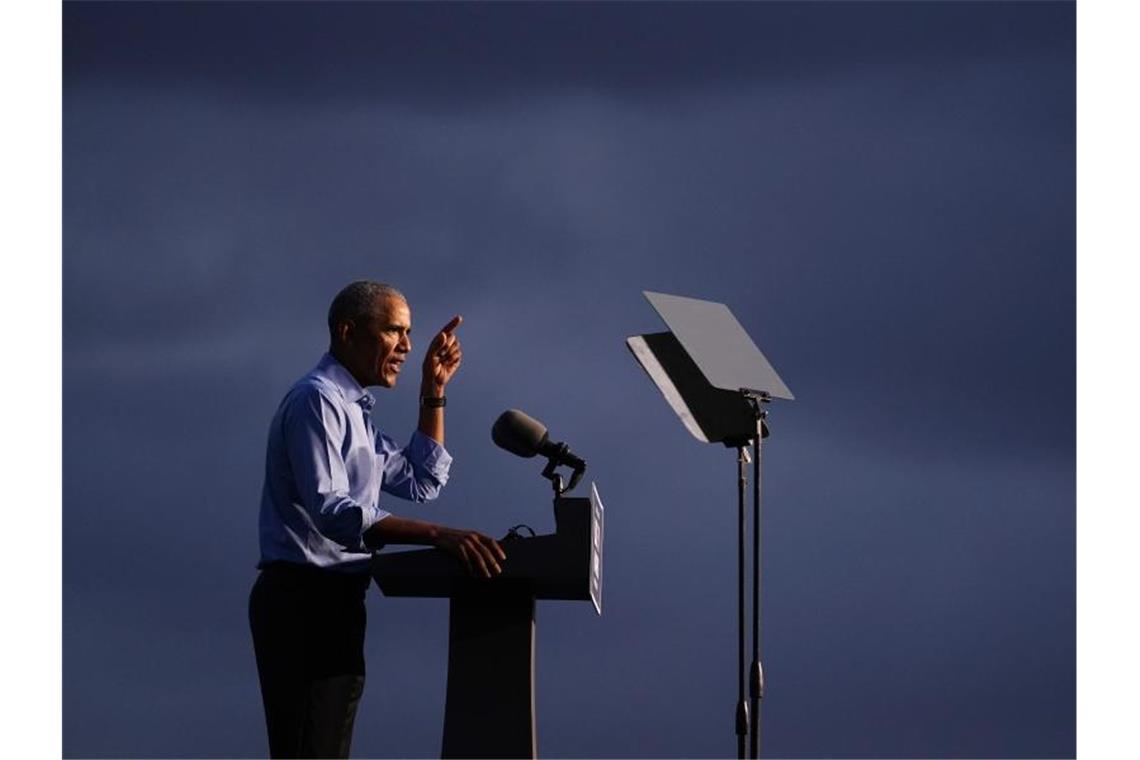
x: 490, y: 676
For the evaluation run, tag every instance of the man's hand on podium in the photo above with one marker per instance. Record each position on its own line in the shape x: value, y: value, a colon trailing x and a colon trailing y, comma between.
x: 479, y: 553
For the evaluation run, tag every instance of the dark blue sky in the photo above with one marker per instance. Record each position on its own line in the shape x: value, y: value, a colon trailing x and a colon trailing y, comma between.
x: 884, y: 194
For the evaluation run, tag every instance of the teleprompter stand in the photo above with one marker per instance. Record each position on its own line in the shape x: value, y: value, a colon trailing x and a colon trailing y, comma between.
x: 717, y: 381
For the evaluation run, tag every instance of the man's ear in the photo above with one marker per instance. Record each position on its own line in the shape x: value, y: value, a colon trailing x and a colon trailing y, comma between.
x: 344, y: 330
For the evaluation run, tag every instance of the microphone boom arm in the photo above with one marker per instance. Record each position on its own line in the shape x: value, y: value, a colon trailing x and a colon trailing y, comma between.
x: 554, y: 459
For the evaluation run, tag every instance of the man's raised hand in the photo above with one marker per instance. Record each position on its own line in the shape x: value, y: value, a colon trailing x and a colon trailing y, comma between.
x: 443, y: 358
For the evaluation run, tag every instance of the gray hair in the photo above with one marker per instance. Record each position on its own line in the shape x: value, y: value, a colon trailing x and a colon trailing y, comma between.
x: 357, y: 301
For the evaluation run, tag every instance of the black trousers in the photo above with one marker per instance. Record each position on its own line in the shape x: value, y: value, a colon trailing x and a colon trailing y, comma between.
x: 308, y: 634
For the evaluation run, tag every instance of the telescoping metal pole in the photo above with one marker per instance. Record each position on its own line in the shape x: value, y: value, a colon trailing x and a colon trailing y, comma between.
x: 756, y: 681
x: 741, y: 703
x: 756, y: 677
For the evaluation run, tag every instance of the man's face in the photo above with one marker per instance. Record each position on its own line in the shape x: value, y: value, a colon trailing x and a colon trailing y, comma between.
x: 375, y: 349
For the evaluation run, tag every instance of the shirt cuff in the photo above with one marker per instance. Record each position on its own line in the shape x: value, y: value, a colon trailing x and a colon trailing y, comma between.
x: 369, y: 517
x: 429, y: 454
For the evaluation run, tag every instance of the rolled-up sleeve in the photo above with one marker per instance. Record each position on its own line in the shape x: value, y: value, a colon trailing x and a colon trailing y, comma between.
x: 417, y: 471
x: 314, y: 430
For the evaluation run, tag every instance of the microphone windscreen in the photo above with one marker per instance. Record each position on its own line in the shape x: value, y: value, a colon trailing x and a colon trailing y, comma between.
x: 518, y: 433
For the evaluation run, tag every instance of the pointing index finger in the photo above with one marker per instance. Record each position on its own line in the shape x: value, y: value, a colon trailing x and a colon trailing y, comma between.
x: 455, y: 322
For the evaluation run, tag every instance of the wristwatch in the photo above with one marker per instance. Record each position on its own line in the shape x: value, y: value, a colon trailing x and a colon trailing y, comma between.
x: 433, y: 402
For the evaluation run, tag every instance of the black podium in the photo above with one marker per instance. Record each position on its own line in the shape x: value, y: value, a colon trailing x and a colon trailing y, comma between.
x: 490, y: 668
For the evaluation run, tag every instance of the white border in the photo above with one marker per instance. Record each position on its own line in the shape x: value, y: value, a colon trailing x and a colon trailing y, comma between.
x: 1107, y: 375
x: 31, y: 300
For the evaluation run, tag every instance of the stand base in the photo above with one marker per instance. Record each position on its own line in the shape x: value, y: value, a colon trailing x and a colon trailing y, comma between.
x: 490, y: 677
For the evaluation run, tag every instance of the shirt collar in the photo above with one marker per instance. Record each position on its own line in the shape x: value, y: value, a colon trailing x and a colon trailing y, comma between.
x: 336, y: 372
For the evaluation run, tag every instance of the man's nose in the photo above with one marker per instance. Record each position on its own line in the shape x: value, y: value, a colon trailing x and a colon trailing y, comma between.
x: 405, y: 344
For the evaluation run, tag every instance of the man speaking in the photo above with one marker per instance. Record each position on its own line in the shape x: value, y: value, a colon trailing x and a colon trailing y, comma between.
x: 321, y: 520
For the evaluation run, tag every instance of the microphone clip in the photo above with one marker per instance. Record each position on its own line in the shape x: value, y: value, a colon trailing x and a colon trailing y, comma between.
x: 561, y: 456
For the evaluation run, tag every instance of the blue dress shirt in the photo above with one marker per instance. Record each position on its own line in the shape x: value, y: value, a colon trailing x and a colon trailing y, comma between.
x: 325, y: 466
